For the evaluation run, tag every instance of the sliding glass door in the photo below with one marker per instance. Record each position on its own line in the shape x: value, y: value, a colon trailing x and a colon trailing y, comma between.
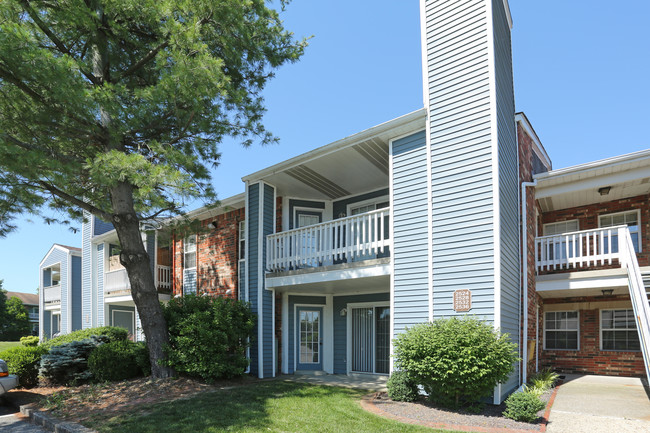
x: 370, y: 339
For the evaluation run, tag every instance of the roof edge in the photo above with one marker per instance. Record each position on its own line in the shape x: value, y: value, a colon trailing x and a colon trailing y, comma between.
x: 541, y: 151
x: 615, y: 160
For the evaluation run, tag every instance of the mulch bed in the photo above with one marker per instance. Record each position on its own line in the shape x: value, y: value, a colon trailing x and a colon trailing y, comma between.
x: 423, y: 412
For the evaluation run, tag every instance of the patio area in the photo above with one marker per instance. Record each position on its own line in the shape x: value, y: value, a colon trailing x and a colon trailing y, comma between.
x: 370, y: 382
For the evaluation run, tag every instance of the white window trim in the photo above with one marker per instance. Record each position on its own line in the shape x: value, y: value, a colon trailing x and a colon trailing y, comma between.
x: 638, y: 220
x: 559, y: 222
x: 375, y: 200
x: 124, y: 311
x: 577, y: 330
x: 600, y: 326
x: 196, y: 256
x: 296, y: 209
x: 348, y: 354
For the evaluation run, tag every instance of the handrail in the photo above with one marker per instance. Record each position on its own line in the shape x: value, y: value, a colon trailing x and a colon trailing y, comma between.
x: 351, y: 238
x: 594, y: 247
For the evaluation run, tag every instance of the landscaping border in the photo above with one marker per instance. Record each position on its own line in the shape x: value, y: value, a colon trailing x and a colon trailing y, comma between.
x: 367, y: 403
x: 45, y: 420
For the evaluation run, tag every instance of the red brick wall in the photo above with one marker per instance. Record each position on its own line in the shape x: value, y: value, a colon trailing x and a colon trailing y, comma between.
x: 216, y: 254
x: 590, y: 359
x: 587, y: 217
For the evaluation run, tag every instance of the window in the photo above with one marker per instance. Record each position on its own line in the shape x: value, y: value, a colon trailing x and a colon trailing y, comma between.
x: 559, y: 249
x: 561, y: 330
x: 189, y: 265
x: 630, y: 219
x: 618, y: 330
x: 367, y: 206
x: 241, y: 281
x: 114, y: 257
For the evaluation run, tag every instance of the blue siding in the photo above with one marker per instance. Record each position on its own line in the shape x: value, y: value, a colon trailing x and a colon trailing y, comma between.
x: 293, y: 300
x: 267, y: 295
x: 87, y: 300
x: 100, y: 285
x: 341, y: 324
x: 75, y: 289
x: 59, y: 256
x: 410, y: 243
x: 101, y: 227
x: 461, y: 154
x: 252, y: 259
x: 151, y: 250
x: 508, y: 184
x: 47, y: 322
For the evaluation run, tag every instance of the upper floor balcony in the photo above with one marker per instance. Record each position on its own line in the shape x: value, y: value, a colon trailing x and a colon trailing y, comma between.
x: 52, y: 295
x: 116, y: 281
x: 353, y: 239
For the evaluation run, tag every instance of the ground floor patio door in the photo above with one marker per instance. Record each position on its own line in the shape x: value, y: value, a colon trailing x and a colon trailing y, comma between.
x: 370, y: 339
x: 309, y: 336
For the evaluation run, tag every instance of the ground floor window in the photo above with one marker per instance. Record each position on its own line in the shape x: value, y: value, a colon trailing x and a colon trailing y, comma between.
x: 561, y: 330
x: 618, y: 330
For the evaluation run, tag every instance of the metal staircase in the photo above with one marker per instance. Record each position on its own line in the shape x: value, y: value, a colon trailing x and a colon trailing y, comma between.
x: 638, y: 295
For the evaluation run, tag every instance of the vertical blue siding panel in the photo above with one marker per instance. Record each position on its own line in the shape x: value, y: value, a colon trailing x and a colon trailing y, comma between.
x: 341, y: 324
x: 100, y: 285
x: 86, y: 274
x: 101, y: 227
x: 47, y: 322
x: 461, y: 154
x: 59, y: 256
x: 508, y: 185
x: 268, y: 313
x: 252, y: 258
x: 410, y: 243
x: 75, y: 288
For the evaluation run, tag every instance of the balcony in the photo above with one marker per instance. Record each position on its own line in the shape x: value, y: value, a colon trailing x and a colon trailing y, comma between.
x: 356, y: 238
x: 33, y: 316
x: 582, y: 250
x: 52, y: 295
x: 116, y: 283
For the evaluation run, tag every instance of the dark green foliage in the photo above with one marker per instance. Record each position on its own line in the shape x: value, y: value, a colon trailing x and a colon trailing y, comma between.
x: 208, y: 336
x: 113, y: 333
x: 523, y: 406
x: 24, y: 361
x: 457, y: 361
x: 30, y: 341
x: 118, y: 360
x: 401, y: 387
x: 14, y: 322
x: 67, y: 364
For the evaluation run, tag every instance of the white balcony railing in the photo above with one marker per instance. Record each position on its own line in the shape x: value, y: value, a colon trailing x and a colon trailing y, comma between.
x: 52, y: 294
x: 164, y: 277
x: 116, y: 281
x: 585, y: 248
x: 355, y: 238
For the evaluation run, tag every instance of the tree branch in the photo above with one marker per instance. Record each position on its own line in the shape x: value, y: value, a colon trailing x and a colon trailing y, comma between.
x: 75, y: 201
x: 143, y: 61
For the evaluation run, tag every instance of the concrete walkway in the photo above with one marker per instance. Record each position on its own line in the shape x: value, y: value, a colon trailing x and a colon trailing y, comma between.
x: 371, y: 382
x: 600, y: 404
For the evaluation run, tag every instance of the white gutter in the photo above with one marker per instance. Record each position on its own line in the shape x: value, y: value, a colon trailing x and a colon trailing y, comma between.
x: 524, y: 256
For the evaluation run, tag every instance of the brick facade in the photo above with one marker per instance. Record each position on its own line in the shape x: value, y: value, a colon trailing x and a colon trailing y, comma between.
x: 590, y: 359
x: 217, y: 253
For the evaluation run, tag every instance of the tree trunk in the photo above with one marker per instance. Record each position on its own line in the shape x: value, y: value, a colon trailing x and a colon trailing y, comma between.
x: 135, y: 259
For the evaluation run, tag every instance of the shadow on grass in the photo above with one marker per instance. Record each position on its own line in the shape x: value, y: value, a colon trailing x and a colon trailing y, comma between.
x: 256, y: 407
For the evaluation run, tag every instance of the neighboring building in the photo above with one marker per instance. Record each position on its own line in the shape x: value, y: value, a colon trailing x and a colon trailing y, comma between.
x: 30, y: 301
x: 60, y: 291
x: 341, y: 249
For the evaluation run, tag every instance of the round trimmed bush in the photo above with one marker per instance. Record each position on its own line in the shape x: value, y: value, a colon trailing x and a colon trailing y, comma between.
x: 24, y: 361
x: 457, y: 361
x: 30, y: 341
x: 118, y: 360
x: 401, y: 387
x: 523, y: 406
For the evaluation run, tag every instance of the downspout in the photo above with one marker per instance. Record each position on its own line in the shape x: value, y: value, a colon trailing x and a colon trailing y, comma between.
x: 524, y: 257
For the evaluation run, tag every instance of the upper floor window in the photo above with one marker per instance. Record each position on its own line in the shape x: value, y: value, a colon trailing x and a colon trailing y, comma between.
x: 560, y: 249
x: 561, y: 330
x: 241, y: 277
x: 367, y: 206
x: 618, y: 330
x: 242, y: 240
x: 189, y: 265
x: 631, y: 219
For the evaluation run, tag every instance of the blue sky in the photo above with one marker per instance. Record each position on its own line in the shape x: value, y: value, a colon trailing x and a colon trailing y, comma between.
x: 581, y: 71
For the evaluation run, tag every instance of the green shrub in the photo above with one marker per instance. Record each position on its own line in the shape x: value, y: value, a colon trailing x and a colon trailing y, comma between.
x: 457, y: 361
x: 24, y: 361
x: 118, y: 360
x: 523, y: 406
x: 401, y: 387
x: 112, y: 332
x: 542, y: 381
x: 208, y: 336
x: 30, y: 341
x: 67, y: 364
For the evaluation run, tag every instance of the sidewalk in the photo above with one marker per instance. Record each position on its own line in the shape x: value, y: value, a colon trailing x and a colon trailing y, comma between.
x: 600, y: 404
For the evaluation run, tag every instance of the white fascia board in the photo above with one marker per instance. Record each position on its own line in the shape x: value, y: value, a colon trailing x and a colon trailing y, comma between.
x: 351, y: 140
x: 326, y: 276
x: 225, y: 205
x: 506, y: 7
x: 55, y: 247
x: 539, y: 147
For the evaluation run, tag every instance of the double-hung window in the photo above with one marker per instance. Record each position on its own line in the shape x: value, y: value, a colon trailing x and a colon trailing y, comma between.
x: 561, y: 330
x: 618, y: 330
x: 241, y: 279
x: 629, y: 219
x: 189, y: 265
x: 558, y: 249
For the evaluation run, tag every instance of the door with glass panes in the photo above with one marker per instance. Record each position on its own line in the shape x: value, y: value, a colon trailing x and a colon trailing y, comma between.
x: 369, y: 338
x: 309, y: 338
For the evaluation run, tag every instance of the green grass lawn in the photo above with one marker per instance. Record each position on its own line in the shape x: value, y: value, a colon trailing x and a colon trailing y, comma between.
x: 262, y: 407
x: 4, y: 345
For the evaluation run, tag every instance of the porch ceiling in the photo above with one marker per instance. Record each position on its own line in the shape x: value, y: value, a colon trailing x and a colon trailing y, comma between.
x: 341, y: 287
x: 628, y: 176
